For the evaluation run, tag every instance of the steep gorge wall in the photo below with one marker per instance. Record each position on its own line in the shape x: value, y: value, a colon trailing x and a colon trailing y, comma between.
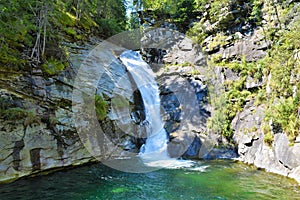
x: 38, y: 130
x: 280, y: 157
x: 232, y: 48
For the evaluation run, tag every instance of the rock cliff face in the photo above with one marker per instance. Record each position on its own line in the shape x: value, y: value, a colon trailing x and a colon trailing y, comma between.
x: 183, y: 76
x: 279, y: 157
x: 45, y: 137
x: 38, y: 132
x: 232, y: 37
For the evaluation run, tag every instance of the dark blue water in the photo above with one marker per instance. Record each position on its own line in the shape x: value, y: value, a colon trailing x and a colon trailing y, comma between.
x: 207, y: 180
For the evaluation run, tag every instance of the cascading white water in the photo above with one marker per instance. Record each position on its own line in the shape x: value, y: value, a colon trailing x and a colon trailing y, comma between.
x: 154, y: 151
x: 144, y: 78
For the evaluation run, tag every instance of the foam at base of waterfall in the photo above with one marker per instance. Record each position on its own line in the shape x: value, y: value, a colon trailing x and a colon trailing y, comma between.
x: 156, y: 143
x: 161, y: 159
x: 199, y: 169
x: 154, y: 153
x: 170, y: 163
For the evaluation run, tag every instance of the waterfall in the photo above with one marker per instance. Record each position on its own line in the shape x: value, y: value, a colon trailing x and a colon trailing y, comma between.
x: 145, y: 80
x: 154, y: 151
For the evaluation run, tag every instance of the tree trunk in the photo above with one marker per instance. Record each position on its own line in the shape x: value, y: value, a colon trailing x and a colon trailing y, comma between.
x: 45, y: 13
x: 78, y: 11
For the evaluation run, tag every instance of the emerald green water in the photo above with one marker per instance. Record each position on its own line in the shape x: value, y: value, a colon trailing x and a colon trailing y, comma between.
x: 207, y: 180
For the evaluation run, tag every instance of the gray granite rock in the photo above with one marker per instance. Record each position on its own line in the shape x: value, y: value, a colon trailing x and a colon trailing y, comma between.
x: 281, y: 158
x: 50, y: 138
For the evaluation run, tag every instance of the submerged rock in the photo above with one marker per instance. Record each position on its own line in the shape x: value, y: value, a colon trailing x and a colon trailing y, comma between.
x: 221, y: 153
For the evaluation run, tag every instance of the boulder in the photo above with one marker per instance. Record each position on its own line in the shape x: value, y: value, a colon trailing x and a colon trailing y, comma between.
x: 193, y: 149
x: 184, y: 144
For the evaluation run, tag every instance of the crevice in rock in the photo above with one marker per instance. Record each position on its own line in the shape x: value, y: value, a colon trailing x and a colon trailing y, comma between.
x: 250, y: 144
x: 276, y: 128
x: 19, y: 145
x: 60, y: 146
x: 138, y: 114
x: 60, y: 143
x: 35, y: 159
x: 282, y: 163
x: 193, y: 149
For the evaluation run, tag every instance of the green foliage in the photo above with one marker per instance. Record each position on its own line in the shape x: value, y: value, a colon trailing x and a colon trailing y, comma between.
x: 236, y: 101
x: 15, y: 28
x: 268, y: 138
x: 219, y: 122
x: 261, y: 96
x: 14, y: 114
x: 179, y: 12
x: 283, y: 63
x: 214, y: 12
x: 101, y: 107
x: 119, y: 102
x: 9, y: 112
x: 195, y: 72
x: 65, y: 19
x: 283, y: 102
x: 17, y: 113
x: 167, y: 6
x: 184, y: 13
x: 198, y: 32
x: 244, y: 68
x: 184, y: 64
x: 217, y: 18
x: 232, y: 99
x: 53, y: 67
x: 218, y: 41
x: 70, y: 31
x: 32, y: 118
x: 217, y: 9
x: 268, y: 135
x: 109, y: 27
x: 31, y: 31
x: 256, y: 14
x: 285, y: 114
